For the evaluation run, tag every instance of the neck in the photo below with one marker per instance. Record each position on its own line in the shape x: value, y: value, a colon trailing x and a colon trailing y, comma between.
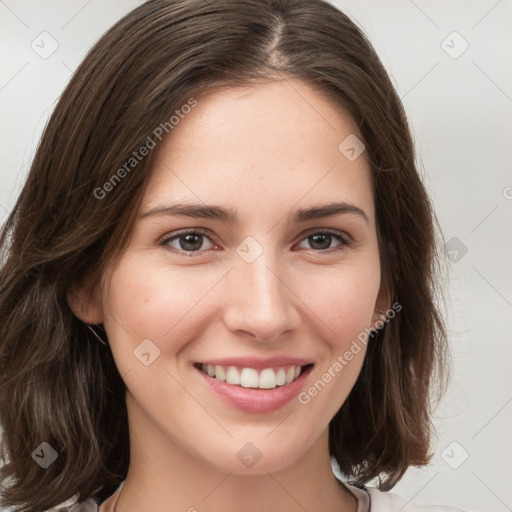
x: 163, y: 477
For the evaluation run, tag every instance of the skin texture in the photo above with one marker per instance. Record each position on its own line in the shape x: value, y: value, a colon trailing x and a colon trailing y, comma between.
x: 263, y: 151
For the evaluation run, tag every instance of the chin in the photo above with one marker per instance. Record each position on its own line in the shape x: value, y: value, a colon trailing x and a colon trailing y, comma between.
x: 259, y: 455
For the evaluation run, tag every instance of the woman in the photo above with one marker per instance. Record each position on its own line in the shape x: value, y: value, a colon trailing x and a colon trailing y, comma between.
x: 176, y: 333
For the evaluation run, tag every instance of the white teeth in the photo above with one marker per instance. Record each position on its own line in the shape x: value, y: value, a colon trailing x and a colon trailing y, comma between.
x: 233, y: 376
x: 248, y: 378
x: 220, y: 374
x: 268, y: 378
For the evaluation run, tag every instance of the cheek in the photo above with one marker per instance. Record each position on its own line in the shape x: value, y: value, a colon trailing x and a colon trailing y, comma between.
x: 344, y: 309
x: 343, y: 300
x: 148, y: 300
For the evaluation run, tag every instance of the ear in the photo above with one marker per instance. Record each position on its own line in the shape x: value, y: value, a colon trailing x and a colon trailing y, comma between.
x: 382, y: 304
x: 85, y: 301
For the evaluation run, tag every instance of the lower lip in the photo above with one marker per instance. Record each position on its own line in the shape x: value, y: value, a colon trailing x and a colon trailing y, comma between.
x: 255, y: 400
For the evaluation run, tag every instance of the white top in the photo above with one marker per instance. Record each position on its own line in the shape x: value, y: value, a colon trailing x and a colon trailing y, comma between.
x: 369, y: 499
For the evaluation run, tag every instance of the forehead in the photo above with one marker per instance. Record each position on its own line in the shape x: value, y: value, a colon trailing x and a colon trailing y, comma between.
x: 277, y: 141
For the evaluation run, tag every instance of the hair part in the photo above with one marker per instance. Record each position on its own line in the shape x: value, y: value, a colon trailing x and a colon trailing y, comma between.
x: 57, y: 383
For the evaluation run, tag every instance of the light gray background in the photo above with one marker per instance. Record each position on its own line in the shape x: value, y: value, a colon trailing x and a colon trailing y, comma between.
x: 460, y: 109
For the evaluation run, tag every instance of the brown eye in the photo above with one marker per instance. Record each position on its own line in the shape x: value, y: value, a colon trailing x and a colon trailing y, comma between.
x: 322, y: 240
x: 187, y: 241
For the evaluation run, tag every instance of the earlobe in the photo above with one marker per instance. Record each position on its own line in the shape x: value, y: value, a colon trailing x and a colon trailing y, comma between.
x: 379, y: 318
x: 85, y: 304
x: 382, y: 306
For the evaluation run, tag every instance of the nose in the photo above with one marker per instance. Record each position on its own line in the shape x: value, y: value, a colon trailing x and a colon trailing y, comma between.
x: 260, y: 299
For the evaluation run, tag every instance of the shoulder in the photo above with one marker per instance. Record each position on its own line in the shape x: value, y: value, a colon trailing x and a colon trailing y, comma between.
x: 392, y: 502
x: 72, y: 505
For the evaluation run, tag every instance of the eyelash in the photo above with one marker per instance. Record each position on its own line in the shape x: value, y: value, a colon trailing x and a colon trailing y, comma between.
x: 345, y: 240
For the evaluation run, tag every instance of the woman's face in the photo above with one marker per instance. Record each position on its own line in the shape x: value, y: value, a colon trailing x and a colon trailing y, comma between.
x: 256, y: 286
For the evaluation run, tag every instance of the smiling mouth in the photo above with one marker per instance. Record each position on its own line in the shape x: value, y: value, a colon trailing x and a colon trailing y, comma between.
x: 266, y: 378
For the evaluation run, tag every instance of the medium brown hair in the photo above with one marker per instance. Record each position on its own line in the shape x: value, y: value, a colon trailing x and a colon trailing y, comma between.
x: 58, y: 384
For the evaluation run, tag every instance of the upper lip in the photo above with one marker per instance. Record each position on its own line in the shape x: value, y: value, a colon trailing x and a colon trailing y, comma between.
x: 257, y: 363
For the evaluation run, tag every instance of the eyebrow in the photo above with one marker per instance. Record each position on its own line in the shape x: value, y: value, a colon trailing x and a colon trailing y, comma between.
x: 229, y: 216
